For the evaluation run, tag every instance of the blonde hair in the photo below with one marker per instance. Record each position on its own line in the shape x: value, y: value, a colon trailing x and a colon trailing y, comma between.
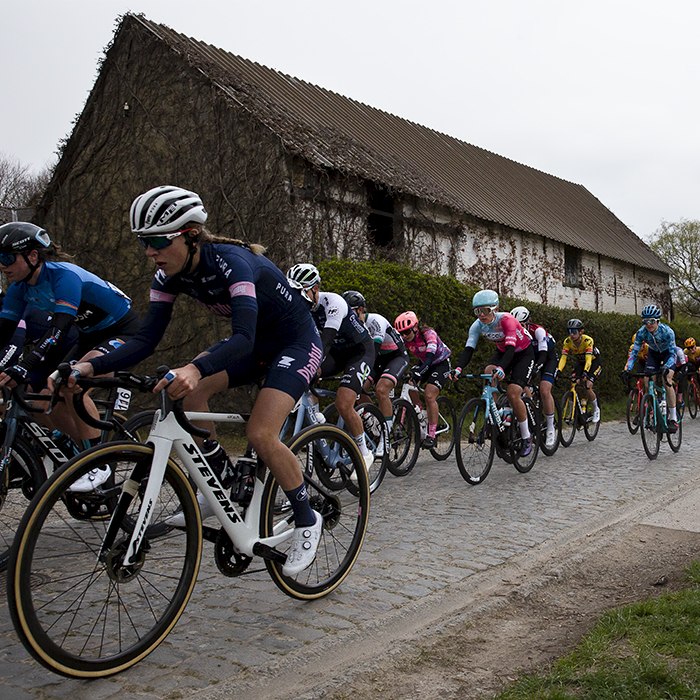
x: 206, y: 237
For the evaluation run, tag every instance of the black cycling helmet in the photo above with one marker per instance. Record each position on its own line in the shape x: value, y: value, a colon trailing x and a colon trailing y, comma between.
x: 575, y: 324
x: 354, y: 299
x: 20, y: 236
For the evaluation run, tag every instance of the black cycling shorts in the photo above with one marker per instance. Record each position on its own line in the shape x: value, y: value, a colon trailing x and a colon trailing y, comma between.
x: 354, y: 362
x: 390, y: 366
x: 521, y: 367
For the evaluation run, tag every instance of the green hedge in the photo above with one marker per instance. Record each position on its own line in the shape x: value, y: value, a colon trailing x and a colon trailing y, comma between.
x: 445, y: 304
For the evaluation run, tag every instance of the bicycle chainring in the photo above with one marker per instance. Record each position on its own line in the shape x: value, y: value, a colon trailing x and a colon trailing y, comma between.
x: 229, y: 562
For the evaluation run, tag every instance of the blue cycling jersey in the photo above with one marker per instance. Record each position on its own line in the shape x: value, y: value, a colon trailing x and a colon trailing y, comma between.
x: 662, y: 341
x: 66, y: 288
x: 232, y: 282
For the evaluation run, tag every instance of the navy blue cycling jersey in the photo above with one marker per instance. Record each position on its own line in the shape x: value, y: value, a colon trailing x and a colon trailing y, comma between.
x: 333, y: 312
x: 66, y: 288
x: 229, y: 281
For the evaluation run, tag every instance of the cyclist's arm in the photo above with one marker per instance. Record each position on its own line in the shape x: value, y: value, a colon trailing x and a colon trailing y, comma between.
x: 13, y: 350
x: 47, y: 347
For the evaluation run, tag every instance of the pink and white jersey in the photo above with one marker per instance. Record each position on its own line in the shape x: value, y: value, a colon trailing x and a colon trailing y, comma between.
x: 428, y: 341
x: 504, y: 330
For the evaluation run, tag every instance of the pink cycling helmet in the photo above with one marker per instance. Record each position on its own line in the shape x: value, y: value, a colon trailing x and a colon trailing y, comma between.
x: 406, y: 321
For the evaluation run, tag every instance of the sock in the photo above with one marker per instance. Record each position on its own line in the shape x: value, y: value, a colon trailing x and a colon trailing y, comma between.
x: 594, y: 403
x: 524, y: 430
x: 550, y: 421
x: 303, y: 515
x: 361, y: 443
x: 672, y: 413
x: 432, y: 427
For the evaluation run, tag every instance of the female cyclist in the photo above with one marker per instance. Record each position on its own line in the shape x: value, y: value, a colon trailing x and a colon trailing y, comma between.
x: 434, y: 368
x: 41, y: 277
x: 272, y: 336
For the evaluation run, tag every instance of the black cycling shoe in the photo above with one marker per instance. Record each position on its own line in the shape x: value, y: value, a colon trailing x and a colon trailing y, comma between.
x: 429, y: 443
x: 672, y: 426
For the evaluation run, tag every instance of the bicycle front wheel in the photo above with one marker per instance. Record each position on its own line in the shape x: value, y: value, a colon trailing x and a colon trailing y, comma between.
x: 650, y: 428
x: 524, y: 463
x: 344, y: 516
x: 374, y: 426
x: 549, y: 451
x: 404, y: 439
x: 20, y: 480
x: 569, y: 418
x: 475, y: 443
x: 445, y: 432
x: 88, y: 617
x: 692, y: 399
x: 633, y: 411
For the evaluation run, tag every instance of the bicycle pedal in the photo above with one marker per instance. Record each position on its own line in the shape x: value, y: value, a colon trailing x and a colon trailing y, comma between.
x: 267, y: 552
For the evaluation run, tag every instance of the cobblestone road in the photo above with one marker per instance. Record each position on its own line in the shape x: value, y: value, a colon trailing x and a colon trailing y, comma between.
x: 429, y: 531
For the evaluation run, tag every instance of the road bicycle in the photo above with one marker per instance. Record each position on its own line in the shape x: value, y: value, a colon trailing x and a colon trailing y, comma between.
x: 577, y: 413
x: 335, y: 473
x: 634, y: 403
x: 444, y: 431
x: 406, y: 435
x: 31, y: 452
x: 653, y: 420
x: 92, y: 598
x: 487, y: 427
x: 691, y: 394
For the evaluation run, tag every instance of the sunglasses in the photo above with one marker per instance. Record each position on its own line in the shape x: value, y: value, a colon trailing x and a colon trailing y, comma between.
x: 484, y: 310
x: 408, y: 332
x: 162, y: 240
x: 7, y: 259
x: 646, y: 321
x: 574, y: 331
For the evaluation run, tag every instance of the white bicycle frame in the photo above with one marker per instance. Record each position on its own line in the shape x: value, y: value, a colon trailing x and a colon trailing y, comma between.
x: 406, y: 396
x: 167, y: 435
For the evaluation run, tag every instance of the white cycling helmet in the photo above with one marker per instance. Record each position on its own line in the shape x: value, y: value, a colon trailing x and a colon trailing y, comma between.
x: 303, y: 277
x: 521, y: 314
x: 165, y: 209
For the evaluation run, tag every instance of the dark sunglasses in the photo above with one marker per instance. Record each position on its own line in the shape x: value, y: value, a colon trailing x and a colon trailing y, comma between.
x: 574, y: 331
x: 161, y: 241
x: 7, y: 259
x: 646, y: 321
x: 408, y: 332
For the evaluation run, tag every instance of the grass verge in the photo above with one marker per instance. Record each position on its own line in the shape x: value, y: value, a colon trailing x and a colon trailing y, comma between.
x: 648, y: 650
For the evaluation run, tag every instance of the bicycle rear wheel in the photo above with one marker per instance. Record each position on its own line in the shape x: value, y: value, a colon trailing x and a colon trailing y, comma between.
x: 85, y: 617
x: 675, y: 439
x: 525, y: 463
x: 650, y: 428
x: 375, y: 433
x: 633, y: 411
x: 549, y: 451
x: 569, y: 418
x: 589, y: 427
x: 20, y: 480
x: 475, y: 442
x: 445, y: 432
x: 404, y: 440
x: 344, y: 516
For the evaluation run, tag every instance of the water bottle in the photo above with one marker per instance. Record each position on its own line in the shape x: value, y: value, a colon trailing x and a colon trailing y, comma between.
x: 242, y: 489
x: 316, y: 415
x: 662, y: 406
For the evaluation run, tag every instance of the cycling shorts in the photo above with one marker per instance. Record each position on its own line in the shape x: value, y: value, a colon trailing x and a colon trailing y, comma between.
x: 521, y: 367
x: 550, y: 365
x: 108, y: 339
x: 287, y: 367
x: 354, y: 362
x: 438, y: 374
x: 390, y: 366
x: 593, y: 372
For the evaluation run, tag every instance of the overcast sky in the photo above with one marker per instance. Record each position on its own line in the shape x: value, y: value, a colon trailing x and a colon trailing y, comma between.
x: 603, y: 93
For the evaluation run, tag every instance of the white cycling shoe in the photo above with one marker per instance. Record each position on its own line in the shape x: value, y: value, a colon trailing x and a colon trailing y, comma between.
x: 304, y: 545
x: 596, y: 415
x: 90, y: 481
x: 551, y: 438
x: 369, y: 461
x: 178, y: 519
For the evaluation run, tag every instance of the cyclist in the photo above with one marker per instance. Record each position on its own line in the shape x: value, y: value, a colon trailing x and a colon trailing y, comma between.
x: 692, y: 352
x: 513, y: 356
x: 272, y: 336
x: 434, y: 368
x: 588, y: 365
x: 661, y: 358
x: 347, y: 347
x: 545, y: 364
x: 41, y: 277
x: 391, y: 358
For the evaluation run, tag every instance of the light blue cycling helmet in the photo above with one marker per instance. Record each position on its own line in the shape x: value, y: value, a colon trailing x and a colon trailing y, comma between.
x: 486, y: 297
x: 651, y: 311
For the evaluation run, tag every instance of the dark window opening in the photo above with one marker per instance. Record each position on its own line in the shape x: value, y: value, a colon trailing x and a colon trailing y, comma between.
x: 380, y: 222
x: 572, y: 259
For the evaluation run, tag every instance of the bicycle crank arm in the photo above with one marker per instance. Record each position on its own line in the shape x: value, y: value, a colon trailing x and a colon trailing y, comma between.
x: 267, y: 552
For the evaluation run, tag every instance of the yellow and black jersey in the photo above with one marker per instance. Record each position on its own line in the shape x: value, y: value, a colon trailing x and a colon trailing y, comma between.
x: 584, y: 352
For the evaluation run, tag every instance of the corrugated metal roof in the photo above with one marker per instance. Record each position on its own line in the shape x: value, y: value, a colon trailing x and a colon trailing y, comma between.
x: 333, y: 131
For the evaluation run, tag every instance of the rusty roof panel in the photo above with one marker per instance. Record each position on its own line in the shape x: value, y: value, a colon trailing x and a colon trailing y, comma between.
x: 333, y: 131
